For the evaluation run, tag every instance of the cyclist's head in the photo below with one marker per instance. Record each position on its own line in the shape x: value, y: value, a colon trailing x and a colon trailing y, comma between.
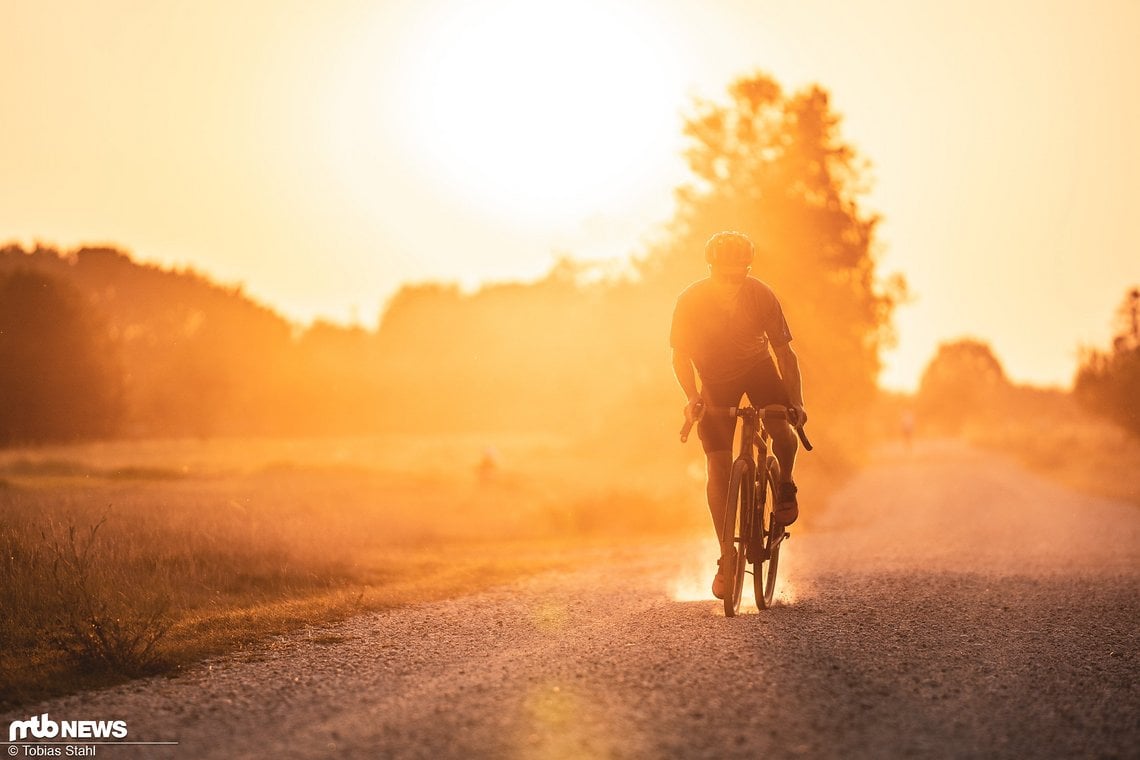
x: 729, y: 254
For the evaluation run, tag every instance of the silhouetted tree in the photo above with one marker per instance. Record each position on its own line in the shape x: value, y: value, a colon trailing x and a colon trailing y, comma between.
x: 1109, y: 382
x: 963, y: 381
x: 59, y: 375
x: 564, y: 355
x: 197, y: 357
x: 774, y: 165
x: 202, y: 358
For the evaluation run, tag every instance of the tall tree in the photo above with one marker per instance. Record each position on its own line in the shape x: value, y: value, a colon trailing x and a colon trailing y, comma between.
x: 774, y: 166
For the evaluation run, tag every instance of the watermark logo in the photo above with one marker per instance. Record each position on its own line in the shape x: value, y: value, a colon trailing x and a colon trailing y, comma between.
x: 43, y: 727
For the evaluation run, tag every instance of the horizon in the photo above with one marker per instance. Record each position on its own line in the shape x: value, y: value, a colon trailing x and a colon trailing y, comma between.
x: 240, y: 290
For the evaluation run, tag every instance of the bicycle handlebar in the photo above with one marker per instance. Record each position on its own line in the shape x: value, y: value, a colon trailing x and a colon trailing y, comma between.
x: 803, y: 437
x: 735, y: 411
x: 686, y: 429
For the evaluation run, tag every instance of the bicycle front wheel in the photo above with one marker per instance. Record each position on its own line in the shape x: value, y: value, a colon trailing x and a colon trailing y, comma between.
x: 734, y: 535
x: 771, y: 536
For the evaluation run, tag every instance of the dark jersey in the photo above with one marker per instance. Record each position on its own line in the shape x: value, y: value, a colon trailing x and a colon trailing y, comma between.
x: 727, y: 337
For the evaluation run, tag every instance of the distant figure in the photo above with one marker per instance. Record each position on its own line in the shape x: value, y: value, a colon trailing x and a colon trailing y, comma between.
x: 488, y: 465
x: 722, y: 328
x: 906, y: 427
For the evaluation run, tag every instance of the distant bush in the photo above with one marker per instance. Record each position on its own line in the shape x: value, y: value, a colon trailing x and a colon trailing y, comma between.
x: 963, y: 381
x: 1108, y: 382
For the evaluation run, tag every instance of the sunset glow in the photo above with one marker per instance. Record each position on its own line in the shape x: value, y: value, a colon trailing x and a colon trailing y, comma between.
x: 540, y: 114
x: 323, y: 156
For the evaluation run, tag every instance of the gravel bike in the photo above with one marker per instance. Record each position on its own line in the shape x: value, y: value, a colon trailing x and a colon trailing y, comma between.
x: 749, y: 524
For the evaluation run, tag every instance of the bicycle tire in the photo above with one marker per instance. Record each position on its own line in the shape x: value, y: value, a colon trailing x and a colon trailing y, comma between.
x: 764, y: 571
x: 737, y: 521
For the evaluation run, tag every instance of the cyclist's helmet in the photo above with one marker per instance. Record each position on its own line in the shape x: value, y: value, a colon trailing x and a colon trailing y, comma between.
x: 729, y: 250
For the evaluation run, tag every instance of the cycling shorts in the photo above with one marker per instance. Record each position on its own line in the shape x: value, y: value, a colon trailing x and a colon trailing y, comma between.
x: 763, y: 385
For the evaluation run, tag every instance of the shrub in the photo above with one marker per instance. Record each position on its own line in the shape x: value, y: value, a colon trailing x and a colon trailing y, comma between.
x: 102, y: 619
x: 1108, y: 383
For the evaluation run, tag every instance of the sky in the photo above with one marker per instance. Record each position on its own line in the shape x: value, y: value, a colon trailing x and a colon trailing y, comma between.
x: 324, y: 154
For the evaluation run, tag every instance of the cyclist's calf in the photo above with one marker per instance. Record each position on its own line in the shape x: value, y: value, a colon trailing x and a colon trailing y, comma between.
x: 716, y: 488
x: 784, y: 442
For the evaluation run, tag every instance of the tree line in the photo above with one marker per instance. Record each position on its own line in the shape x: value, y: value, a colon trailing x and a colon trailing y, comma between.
x: 94, y: 344
x: 1108, y: 382
x: 965, y: 383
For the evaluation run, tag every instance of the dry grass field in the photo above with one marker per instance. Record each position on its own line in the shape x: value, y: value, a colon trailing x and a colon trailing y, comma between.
x: 133, y: 557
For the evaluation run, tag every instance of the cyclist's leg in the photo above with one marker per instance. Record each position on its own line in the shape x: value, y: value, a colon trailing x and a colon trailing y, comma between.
x: 784, y: 447
x: 764, y: 388
x: 716, y: 433
x: 716, y: 490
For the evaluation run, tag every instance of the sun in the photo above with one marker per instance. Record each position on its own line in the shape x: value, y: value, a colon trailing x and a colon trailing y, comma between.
x: 543, y: 112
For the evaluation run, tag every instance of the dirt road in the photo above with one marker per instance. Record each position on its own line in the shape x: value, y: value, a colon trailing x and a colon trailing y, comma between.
x: 942, y: 606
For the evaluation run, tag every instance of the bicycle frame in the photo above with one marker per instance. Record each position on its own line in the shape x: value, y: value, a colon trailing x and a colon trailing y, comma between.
x: 754, y: 436
x: 753, y: 453
x: 752, y: 478
x: 753, y: 441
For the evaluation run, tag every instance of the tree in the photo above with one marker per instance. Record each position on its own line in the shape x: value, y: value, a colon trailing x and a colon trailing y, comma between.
x: 963, y: 381
x: 60, y: 377
x: 774, y: 166
x: 1108, y: 383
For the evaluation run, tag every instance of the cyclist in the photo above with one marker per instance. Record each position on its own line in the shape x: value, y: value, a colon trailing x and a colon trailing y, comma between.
x: 722, y: 329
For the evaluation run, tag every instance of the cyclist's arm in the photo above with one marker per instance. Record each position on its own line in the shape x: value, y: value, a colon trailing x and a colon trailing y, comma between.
x: 789, y: 365
x: 686, y: 374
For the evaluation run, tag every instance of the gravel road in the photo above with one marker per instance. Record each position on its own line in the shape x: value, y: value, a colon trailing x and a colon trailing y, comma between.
x: 943, y: 605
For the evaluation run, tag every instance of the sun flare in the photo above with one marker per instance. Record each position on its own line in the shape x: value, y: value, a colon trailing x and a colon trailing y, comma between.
x: 541, y: 112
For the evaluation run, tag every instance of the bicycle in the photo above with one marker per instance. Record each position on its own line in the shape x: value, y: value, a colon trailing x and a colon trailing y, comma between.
x: 748, y: 519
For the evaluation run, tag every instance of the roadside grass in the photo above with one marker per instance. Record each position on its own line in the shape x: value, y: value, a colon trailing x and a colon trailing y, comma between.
x: 1080, y: 452
x: 125, y: 559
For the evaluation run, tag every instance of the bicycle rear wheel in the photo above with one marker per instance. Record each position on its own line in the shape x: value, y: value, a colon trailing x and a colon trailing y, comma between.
x: 771, y: 536
x: 737, y: 523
